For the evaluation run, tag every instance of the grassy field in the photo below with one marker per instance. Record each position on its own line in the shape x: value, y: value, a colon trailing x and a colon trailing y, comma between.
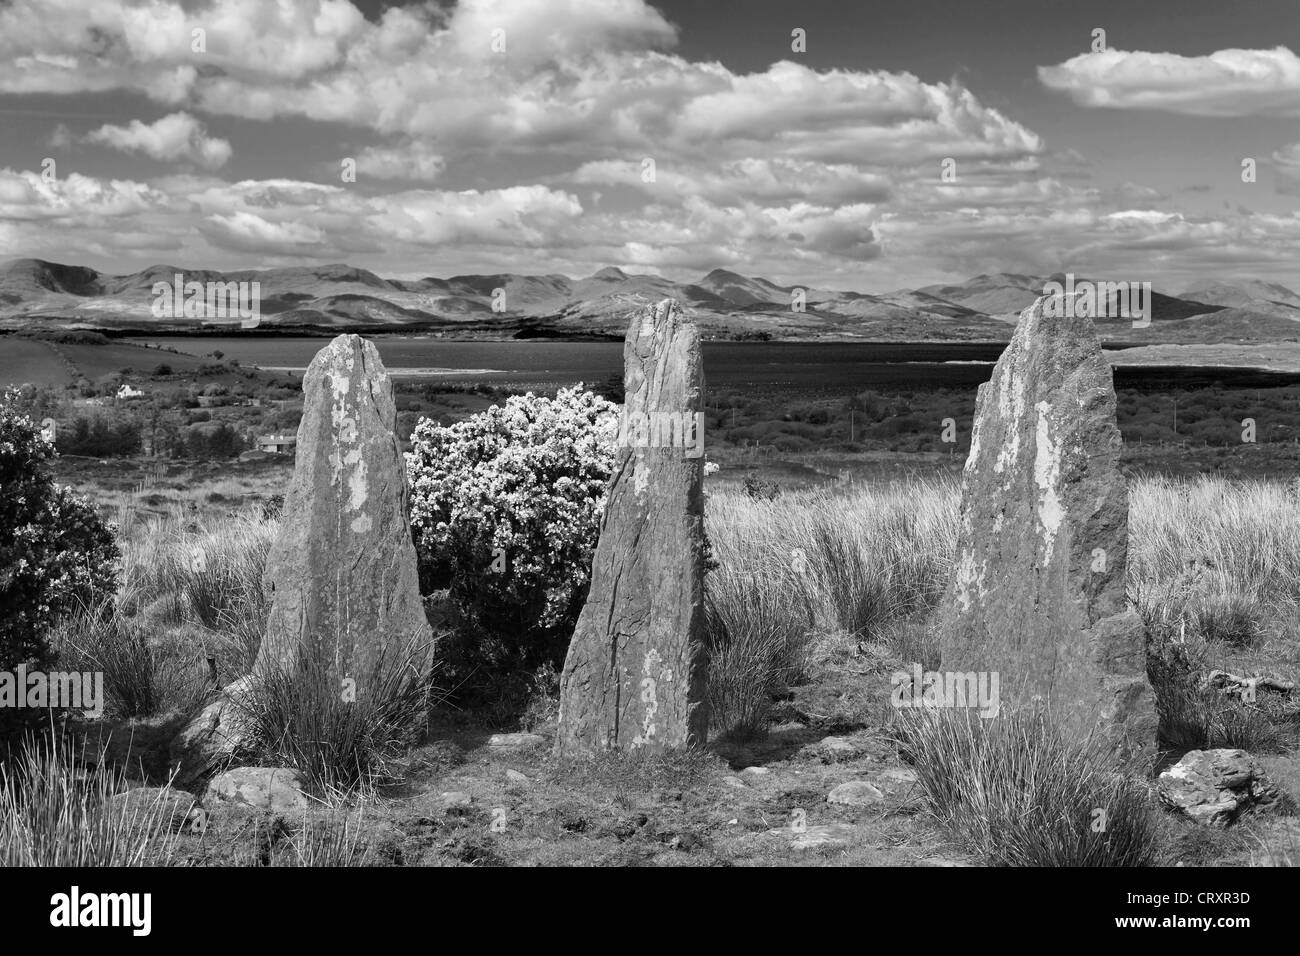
x: 831, y: 519
x: 819, y: 595
x: 28, y: 360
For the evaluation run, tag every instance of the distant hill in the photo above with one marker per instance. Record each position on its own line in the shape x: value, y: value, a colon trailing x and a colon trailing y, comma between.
x: 1004, y: 293
x: 1263, y: 298
x: 1227, y: 326
x: 30, y: 278
x: 1240, y: 293
x: 39, y: 294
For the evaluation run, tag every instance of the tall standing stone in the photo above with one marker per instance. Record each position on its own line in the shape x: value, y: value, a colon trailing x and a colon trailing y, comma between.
x: 635, y: 674
x: 342, y: 573
x: 1039, y: 586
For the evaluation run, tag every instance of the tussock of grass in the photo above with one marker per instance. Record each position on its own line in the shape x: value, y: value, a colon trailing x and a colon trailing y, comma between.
x: 207, y: 573
x: 1018, y: 791
x: 1231, y: 619
x: 55, y: 812
x: 856, y: 584
x: 1208, y: 536
x: 335, y: 840
x: 756, y: 643
x: 191, y: 600
x: 142, y: 677
x: 302, y: 719
x: 856, y: 558
x: 812, y: 563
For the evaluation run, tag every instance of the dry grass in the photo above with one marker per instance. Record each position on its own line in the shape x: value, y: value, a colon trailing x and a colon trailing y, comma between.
x: 144, y: 674
x: 331, y: 841
x: 1017, y: 791
x: 344, y: 742
x: 1214, y: 565
x: 188, y: 616
x: 1218, y: 558
x: 854, y: 563
x: 1245, y: 534
x: 205, y: 571
x: 55, y: 811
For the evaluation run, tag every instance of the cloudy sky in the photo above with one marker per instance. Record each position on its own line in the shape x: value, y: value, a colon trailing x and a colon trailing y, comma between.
x: 907, y: 142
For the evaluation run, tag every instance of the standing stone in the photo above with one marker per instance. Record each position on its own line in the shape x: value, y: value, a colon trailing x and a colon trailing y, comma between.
x: 342, y: 572
x: 635, y: 674
x: 1039, y: 586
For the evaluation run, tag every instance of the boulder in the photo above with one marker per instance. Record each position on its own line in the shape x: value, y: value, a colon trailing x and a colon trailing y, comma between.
x: 856, y: 793
x: 1214, y: 787
x: 635, y: 674
x: 896, y: 780
x: 220, y: 733
x: 273, y: 789
x: 1038, y: 595
x: 342, y: 574
x: 757, y: 776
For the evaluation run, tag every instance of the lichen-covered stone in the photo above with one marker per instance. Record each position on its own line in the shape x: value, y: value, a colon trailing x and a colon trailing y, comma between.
x: 342, y: 573
x: 635, y: 672
x: 274, y: 789
x: 856, y: 793
x: 1039, y: 586
x: 1214, y: 787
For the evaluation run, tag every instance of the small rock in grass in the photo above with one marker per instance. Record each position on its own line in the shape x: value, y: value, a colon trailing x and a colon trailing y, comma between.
x: 898, y: 775
x: 856, y: 793
x: 827, y: 835
x: 837, y: 747
x: 277, y: 789
x: 516, y: 740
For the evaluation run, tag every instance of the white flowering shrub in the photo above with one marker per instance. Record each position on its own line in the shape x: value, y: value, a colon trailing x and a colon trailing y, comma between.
x: 505, y: 509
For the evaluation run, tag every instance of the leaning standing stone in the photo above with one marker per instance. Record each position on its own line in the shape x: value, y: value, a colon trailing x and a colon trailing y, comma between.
x: 635, y: 673
x: 342, y: 572
x: 1039, y: 588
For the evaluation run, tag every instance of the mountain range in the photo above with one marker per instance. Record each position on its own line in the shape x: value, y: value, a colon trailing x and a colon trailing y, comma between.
x: 36, y: 294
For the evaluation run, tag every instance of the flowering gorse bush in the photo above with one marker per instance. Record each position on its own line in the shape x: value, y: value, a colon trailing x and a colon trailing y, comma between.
x: 55, y: 553
x: 505, y: 509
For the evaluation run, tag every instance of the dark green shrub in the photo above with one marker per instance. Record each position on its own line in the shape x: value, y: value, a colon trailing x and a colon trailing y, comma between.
x: 55, y: 553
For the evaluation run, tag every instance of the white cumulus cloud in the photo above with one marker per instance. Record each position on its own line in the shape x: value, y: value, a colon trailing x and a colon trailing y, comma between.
x: 173, y: 137
x: 1224, y: 83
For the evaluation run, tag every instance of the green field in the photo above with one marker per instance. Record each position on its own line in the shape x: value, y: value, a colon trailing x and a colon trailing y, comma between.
x: 27, y: 360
